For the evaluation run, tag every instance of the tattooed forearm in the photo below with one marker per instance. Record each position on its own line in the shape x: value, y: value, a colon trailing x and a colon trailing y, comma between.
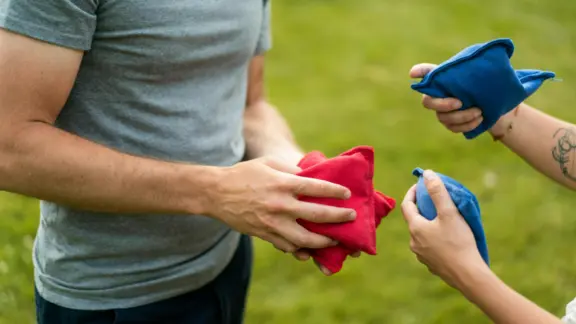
x: 564, y: 152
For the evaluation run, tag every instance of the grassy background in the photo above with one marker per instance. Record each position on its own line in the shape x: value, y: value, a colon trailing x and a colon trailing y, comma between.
x: 339, y: 73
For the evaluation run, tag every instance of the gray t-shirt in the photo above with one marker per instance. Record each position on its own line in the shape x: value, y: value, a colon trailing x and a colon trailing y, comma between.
x: 163, y: 79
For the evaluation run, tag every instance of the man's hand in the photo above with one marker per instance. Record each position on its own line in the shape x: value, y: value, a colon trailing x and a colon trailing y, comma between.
x: 304, y: 255
x: 260, y: 198
x: 446, y: 244
x: 457, y: 121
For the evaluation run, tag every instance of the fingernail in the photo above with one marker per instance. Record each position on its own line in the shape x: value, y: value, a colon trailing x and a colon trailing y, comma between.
x: 429, y: 174
x: 456, y: 105
x: 352, y: 215
x: 348, y: 195
x: 334, y: 243
x: 477, y: 114
x: 325, y: 271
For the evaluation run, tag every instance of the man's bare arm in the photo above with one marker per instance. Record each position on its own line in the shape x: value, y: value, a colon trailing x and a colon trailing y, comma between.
x: 267, y: 133
x: 265, y: 130
x: 39, y: 160
x: 546, y: 143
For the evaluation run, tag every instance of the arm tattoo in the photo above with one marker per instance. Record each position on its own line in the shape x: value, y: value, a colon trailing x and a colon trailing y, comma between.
x: 565, y: 151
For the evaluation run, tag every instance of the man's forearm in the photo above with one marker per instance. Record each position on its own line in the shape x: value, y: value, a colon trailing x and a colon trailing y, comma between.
x: 267, y: 134
x: 546, y: 143
x: 42, y: 161
x: 498, y: 301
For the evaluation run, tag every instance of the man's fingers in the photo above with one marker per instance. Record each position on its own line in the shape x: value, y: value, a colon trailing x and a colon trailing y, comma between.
x: 302, y: 186
x: 408, y: 207
x: 299, y: 236
x: 459, y: 117
x: 302, y: 255
x: 438, y: 193
x: 420, y: 70
x: 322, y: 268
x: 280, y: 243
x: 441, y: 104
x: 318, y: 213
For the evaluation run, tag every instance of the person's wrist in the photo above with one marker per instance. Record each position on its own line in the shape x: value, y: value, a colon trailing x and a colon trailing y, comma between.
x: 470, y: 275
x: 200, y: 189
x: 504, y: 125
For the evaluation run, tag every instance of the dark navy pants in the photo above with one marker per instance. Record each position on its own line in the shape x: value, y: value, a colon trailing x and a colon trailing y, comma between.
x: 220, y: 302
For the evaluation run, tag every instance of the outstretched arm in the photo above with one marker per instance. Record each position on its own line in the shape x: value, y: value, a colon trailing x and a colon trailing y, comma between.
x: 546, y: 143
x: 446, y: 246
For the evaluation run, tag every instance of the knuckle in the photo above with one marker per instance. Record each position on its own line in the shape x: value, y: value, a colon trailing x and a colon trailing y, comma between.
x: 281, y: 183
x: 327, y: 214
x: 273, y: 206
x: 300, y: 187
x: 303, y: 240
x: 445, y: 104
x: 278, y: 247
x: 405, y: 206
x: 460, y: 117
x: 413, y: 247
x: 296, y: 185
x: 469, y: 114
x: 267, y: 222
x: 435, y: 186
x: 314, y: 215
x: 415, y: 231
x: 425, y: 101
x: 448, y: 209
x: 444, y: 118
x: 290, y: 248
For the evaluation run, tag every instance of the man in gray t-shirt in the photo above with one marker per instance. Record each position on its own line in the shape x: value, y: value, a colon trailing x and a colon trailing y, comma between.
x: 130, y: 120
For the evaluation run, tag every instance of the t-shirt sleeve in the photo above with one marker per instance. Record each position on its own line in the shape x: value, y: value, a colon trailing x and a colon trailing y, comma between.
x: 265, y: 40
x: 67, y: 23
x: 570, y: 317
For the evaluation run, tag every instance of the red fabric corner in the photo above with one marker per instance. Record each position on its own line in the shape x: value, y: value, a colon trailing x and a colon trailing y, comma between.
x: 353, y: 169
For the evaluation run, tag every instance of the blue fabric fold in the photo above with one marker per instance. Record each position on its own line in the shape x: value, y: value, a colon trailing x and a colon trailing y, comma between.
x: 464, y: 200
x: 481, y: 76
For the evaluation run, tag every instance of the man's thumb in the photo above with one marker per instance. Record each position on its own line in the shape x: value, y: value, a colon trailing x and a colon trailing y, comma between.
x: 420, y: 70
x: 282, y: 166
x: 438, y: 193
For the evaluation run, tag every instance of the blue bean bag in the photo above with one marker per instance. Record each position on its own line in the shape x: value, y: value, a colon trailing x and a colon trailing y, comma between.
x: 482, y: 76
x: 464, y: 200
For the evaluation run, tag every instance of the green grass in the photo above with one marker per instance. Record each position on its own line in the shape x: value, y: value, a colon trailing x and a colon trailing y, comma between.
x: 338, y: 71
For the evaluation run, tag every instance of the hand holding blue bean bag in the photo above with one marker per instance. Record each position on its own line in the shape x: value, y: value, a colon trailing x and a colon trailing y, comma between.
x: 464, y: 200
x: 482, y: 76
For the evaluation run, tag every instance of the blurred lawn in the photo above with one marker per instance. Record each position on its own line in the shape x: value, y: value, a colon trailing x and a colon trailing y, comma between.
x: 339, y: 73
